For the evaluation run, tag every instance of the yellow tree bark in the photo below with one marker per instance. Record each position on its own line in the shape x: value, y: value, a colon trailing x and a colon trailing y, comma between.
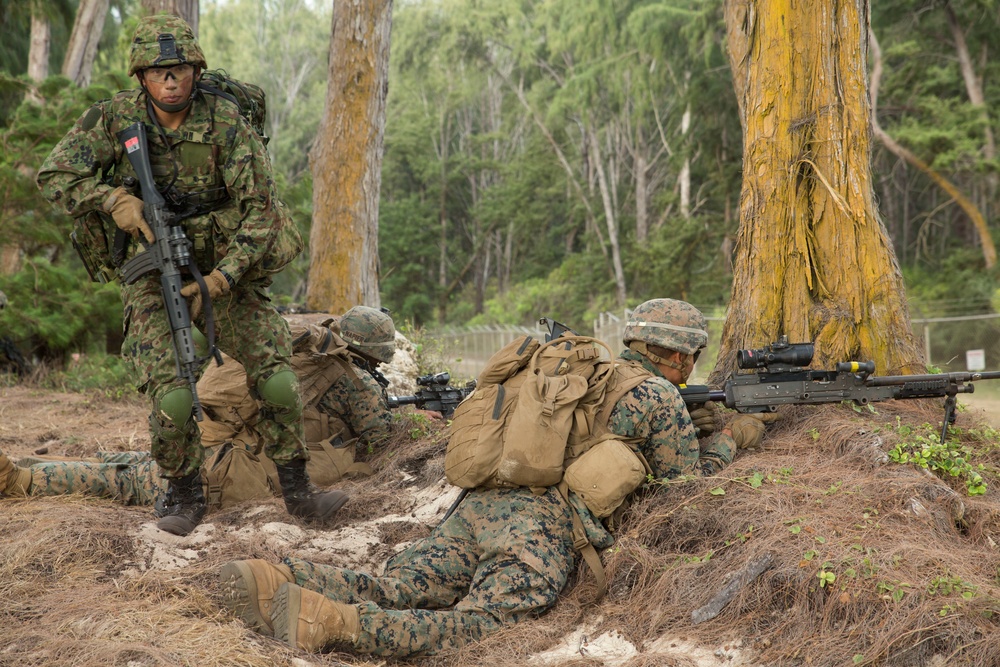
x: 346, y: 160
x: 813, y: 260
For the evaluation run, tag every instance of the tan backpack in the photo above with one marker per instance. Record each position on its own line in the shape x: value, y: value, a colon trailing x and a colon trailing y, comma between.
x: 319, y: 358
x: 535, y: 409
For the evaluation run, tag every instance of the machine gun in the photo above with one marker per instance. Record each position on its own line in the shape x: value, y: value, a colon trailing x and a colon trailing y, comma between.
x: 436, y: 394
x: 784, y: 380
x: 169, y: 255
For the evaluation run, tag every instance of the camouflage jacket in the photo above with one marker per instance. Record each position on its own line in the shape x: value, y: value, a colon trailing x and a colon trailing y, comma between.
x: 358, y: 401
x: 213, y: 161
x: 654, y: 412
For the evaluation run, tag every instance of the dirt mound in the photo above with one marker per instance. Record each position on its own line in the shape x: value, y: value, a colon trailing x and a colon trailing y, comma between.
x: 818, y: 549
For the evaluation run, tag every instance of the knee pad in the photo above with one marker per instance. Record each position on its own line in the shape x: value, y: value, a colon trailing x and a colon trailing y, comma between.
x: 281, y: 391
x: 175, y: 407
x: 200, y: 342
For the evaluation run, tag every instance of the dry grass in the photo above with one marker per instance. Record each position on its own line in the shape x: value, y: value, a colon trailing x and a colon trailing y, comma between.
x: 81, y: 584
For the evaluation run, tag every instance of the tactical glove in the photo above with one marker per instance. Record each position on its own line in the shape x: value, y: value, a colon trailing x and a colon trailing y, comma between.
x: 704, y: 418
x: 747, y: 430
x: 217, y: 283
x: 126, y: 210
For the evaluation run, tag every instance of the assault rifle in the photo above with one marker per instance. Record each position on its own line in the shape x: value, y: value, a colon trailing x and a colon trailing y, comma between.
x: 169, y: 255
x: 436, y: 394
x: 784, y: 380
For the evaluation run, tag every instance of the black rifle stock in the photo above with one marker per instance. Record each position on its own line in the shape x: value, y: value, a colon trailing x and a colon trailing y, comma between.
x: 435, y: 394
x: 785, y: 381
x: 169, y: 255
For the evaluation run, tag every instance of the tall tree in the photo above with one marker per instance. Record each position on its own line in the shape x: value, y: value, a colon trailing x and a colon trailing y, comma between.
x: 813, y: 259
x: 346, y: 160
x: 186, y: 9
x: 79, y: 62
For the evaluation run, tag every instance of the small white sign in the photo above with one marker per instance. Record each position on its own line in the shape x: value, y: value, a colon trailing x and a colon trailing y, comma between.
x: 975, y: 360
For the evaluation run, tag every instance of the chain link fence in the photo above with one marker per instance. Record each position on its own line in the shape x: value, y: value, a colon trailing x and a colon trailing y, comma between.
x: 958, y: 343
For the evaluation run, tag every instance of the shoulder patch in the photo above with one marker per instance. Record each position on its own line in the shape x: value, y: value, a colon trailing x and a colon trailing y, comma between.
x: 90, y: 119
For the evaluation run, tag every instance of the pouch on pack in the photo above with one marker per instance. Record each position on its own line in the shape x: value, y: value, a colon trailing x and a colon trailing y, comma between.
x: 605, y: 475
x: 233, y: 475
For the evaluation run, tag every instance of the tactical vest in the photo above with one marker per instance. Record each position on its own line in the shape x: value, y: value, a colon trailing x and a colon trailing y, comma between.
x: 197, y: 194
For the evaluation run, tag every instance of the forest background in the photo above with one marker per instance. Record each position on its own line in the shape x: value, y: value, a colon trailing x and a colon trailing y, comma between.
x: 559, y: 157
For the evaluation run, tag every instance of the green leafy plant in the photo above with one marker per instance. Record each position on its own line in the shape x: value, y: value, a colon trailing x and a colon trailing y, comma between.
x: 947, y: 459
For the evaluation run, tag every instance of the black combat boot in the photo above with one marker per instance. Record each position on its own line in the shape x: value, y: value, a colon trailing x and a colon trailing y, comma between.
x: 302, y: 499
x: 187, y: 505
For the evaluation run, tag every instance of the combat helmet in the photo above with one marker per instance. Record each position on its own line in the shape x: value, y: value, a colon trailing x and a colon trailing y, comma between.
x: 668, y: 323
x: 370, y: 332
x: 161, y: 41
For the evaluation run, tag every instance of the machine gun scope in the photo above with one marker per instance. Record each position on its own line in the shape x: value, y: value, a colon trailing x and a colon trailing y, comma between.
x: 779, y: 352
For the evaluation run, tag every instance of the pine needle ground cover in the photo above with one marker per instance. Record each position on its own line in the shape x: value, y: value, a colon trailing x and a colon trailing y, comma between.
x: 821, y: 548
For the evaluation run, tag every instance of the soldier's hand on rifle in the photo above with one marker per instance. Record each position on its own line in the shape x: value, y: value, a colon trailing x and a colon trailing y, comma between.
x: 430, y: 414
x: 217, y: 284
x: 126, y: 211
x: 748, y: 430
x: 706, y: 419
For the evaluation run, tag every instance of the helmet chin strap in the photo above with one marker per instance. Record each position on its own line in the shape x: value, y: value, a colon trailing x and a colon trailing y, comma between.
x: 643, y: 349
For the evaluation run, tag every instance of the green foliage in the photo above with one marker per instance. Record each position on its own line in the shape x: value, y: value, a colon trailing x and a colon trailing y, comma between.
x: 55, y: 310
x: 923, y: 448
x: 103, y: 373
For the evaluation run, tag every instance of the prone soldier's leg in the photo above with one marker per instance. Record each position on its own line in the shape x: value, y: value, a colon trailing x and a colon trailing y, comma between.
x: 432, y: 573
x: 519, y: 560
x: 135, y: 484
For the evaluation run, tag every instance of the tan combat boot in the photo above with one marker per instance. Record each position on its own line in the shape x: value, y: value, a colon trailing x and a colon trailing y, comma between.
x: 310, y: 621
x: 14, y: 481
x: 247, y: 589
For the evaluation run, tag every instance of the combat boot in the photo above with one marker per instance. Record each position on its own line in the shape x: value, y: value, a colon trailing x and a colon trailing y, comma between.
x: 187, y: 505
x: 302, y: 499
x: 248, y: 587
x: 14, y: 480
x: 310, y: 621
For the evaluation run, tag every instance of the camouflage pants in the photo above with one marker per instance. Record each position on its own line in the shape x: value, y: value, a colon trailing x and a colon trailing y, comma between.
x: 249, y: 329
x: 129, y: 477
x: 502, y: 557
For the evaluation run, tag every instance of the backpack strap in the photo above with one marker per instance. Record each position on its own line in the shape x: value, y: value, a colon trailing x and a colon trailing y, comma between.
x: 582, y: 544
x: 627, y: 377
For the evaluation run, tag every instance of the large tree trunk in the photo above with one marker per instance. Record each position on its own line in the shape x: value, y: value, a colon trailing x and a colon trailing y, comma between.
x: 813, y: 260
x: 186, y: 9
x: 87, y: 29
x: 41, y: 43
x: 346, y: 160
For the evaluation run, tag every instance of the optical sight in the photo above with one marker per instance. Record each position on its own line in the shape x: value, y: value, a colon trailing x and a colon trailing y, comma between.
x: 779, y: 352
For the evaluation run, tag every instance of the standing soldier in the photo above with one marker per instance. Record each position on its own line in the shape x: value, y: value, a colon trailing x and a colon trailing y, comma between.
x: 214, y: 172
x: 505, y: 554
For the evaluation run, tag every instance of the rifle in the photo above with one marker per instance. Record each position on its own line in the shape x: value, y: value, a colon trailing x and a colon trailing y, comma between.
x: 169, y: 255
x: 436, y: 394
x: 784, y: 380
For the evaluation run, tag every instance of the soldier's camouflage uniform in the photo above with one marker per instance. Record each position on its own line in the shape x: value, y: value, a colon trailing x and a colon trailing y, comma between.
x: 213, y: 162
x: 505, y: 555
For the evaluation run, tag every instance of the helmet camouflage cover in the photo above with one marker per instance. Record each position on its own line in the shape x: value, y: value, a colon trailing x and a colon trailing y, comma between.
x: 161, y: 41
x: 674, y: 325
x: 370, y: 332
